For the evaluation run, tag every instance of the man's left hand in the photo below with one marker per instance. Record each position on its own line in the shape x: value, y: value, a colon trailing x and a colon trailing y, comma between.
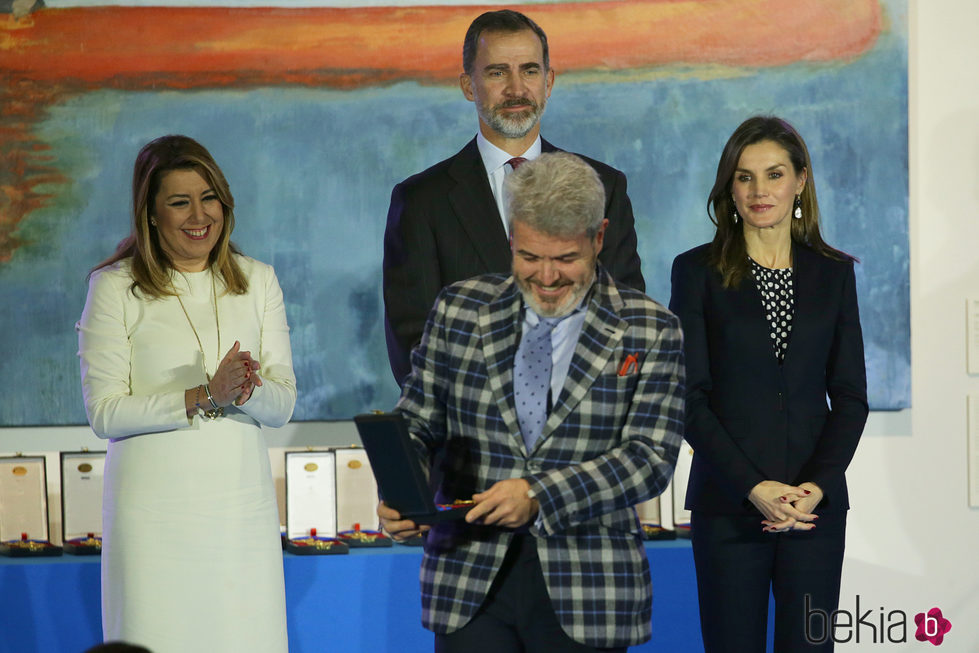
x: 505, y: 504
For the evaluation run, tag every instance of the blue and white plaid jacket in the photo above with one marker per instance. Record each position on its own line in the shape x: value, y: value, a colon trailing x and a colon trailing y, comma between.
x: 610, y: 442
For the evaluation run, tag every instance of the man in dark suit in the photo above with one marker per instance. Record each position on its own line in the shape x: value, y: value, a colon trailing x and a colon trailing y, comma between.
x: 447, y: 223
x: 555, y: 396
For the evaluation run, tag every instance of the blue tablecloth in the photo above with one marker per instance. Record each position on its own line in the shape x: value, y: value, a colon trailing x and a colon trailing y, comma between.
x: 365, y: 601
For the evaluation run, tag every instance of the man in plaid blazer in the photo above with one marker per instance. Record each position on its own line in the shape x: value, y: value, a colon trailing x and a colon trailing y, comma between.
x: 550, y: 558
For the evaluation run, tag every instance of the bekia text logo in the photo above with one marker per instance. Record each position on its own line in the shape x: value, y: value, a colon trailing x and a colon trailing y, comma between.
x: 873, y: 625
x: 931, y: 626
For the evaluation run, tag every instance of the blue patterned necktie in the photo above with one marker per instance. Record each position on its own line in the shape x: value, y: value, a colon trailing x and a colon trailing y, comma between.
x: 532, y: 379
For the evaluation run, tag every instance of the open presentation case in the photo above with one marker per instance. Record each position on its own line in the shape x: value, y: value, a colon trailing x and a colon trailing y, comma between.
x: 399, y: 473
x: 24, y: 508
x: 311, y: 504
x: 81, y: 501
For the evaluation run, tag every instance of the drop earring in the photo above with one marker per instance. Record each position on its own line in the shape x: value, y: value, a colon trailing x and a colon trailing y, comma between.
x: 153, y: 221
x: 735, y: 216
x: 798, y: 207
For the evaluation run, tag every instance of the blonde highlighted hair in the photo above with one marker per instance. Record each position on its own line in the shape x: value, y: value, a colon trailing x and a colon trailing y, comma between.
x: 151, y: 266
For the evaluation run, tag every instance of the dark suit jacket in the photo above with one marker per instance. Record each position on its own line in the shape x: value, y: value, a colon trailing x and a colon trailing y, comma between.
x: 609, y: 443
x: 750, y: 419
x: 443, y: 226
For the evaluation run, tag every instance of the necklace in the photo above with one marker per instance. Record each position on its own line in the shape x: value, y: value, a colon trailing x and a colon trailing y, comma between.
x: 217, y: 321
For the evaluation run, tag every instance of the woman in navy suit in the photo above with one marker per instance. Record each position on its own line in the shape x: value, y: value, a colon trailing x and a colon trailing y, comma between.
x: 771, y: 330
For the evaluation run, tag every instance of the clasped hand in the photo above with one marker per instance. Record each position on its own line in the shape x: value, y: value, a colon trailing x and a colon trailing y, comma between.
x: 786, y: 507
x: 505, y: 504
x: 235, y: 378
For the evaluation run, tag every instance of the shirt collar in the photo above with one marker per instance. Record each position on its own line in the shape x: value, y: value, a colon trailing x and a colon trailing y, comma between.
x: 494, y: 158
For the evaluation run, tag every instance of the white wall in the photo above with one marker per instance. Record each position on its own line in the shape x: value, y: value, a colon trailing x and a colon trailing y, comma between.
x: 913, y: 540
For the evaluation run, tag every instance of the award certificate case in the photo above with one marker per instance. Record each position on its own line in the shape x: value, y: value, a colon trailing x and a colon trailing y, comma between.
x: 681, y: 516
x: 402, y: 482
x: 651, y: 520
x: 81, y: 501
x: 311, y: 503
x: 24, y: 508
x: 357, y: 520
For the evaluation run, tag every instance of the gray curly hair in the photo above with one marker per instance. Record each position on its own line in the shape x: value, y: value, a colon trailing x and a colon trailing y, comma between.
x: 557, y: 194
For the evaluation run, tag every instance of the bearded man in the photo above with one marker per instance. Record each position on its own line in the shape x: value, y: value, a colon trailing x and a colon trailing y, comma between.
x: 449, y: 223
x: 553, y: 399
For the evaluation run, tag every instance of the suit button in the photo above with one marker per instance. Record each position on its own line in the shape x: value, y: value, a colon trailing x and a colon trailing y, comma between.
x: 533, y: 466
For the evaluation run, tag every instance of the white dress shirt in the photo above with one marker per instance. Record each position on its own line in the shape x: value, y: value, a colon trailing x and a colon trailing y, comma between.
x: 495, y: 162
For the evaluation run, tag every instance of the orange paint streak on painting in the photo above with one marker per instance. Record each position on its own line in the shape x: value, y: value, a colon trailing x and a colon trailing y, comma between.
x: 24, y: 162
x: 193, y: 47
x: 54, y: 53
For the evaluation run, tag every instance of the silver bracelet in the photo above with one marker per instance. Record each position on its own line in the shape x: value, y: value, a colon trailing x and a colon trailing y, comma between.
x: 207, y: 391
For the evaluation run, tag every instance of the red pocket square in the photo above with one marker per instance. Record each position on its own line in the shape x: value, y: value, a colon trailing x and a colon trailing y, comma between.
x: 629, y: 365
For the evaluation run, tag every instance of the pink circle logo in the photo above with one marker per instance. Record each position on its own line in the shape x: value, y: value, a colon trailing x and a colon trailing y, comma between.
x: 931, y: 626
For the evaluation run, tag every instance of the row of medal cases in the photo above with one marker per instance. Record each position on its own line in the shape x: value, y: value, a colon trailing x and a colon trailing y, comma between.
x: 330, y: 499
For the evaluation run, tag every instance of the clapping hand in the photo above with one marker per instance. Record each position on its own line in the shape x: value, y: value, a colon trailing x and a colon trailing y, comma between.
x: 235, y: 378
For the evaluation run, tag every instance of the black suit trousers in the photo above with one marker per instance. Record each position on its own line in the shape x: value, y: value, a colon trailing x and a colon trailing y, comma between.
x: 517, y: 616
x: 738, y: 565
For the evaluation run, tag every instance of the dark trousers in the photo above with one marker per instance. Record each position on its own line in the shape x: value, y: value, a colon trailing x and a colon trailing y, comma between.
x: 517, y: 616
x: 737, y: 564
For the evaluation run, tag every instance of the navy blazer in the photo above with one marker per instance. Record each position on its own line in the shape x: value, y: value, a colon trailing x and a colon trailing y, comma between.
x: 750, y: 418
x: 443, y: 226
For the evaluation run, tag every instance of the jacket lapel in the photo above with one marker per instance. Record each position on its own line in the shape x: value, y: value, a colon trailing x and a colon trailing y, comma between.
x: 748, y: 311
x: 806, y: 295
x: 498, y: 327
x: 472, y: 200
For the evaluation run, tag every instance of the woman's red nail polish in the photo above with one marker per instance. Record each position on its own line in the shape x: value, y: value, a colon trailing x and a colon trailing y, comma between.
x: 807, y: 491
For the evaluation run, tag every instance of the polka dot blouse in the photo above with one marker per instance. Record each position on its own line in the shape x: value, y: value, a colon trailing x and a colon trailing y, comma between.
x: 778, y: 300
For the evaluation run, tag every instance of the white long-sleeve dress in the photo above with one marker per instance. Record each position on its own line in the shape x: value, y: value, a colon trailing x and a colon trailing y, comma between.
x: 191, y: 557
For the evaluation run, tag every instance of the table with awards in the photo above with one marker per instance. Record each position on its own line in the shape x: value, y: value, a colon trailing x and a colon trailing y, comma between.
x: 366, y: 599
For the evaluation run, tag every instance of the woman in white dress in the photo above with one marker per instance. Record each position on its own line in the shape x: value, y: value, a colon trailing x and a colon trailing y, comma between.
x: 185, y: 354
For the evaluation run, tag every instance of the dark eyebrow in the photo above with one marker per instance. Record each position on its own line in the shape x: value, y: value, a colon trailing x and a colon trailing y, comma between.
x: 532, y: 65
x: 777, y: 165
x: 571, y: 254
x: 187, y: 195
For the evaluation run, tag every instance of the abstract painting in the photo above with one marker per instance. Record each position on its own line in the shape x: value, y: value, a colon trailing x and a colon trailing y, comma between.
x: 315, y: 112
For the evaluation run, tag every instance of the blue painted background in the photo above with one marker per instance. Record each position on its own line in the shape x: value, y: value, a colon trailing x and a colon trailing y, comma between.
x: 312, y: 170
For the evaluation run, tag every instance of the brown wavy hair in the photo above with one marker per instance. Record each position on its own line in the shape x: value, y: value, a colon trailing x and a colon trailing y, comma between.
x: 151, y: 265
x: 727, y: 252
